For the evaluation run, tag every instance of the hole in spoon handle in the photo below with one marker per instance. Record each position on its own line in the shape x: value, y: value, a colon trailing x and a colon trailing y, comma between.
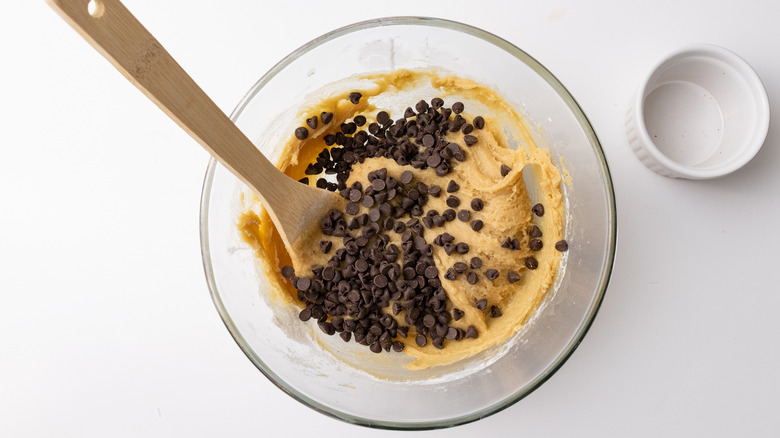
x: 95, y: 8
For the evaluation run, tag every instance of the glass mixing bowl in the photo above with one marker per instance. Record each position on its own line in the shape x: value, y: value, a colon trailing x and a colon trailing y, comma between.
x: 295, y: 357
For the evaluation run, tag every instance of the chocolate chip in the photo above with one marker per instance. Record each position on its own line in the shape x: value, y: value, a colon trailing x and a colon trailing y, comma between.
x: 378, y: 184
x: 422, y: 106
x: 562, y: 245
x: 505, y: 170
x: 495, y: 312
x: 464, y: 215
x: 471, y: 278
x: 433, y: 160
x: 312, y: 122
x: 362, y: 241
x: 434, y: 191
x: 368, y: 201
x: 535, y: 244
x: 449, y: 215
x: 325, y: 246
x: 326, y: 117
x: 437, y: 102
x: 355, y: 195
x: 327, y: 328
x: 305, y: 314
x: 431, y: 272
x: 406, y: 176
x: 531, y: 263
x: 374, y: 214
x: 317, y: 312
x: 351, y: 208
x: 328, y: 274
x: 288, y: 272
x: 438, y: 343
x: 477, y: 204
x: 451, y: 274
x: 481, y: 304
x: 348, y: 128
x: 535, y: 232
x: 398, y: 346
x: 301, y: 133
x: 442, y: 169
x: 513, y: 277
x: 361, y: 265
x: 452, y: 187
x: 467, y: 128
x: 380, y: 281
x: 383, y: 117
x: 460, y: 267
x: 479, y: 122
x: 511, y: 243
x: 491, y: 274
x: 449, y: 248
x: 421, y: 340
x: 354, y: 97
x: 475, y: 263
x: 458, y: 107
x: 428, y: 140
x: 469, y: 139
x: 303, y: 284
x: 476, y: 225
x: 453, y: 201
x: 360, y: 120
x: 538, y: 210
x: 457, y: 314
x: 304, y: 180
x: 471, y: 333
x: 462, y: 248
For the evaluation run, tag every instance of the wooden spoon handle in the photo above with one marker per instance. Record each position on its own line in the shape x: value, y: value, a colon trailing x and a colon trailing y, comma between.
x: 117, y: 35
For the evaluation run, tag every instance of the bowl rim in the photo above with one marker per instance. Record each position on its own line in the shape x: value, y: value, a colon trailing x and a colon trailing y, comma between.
x: 603, y: 281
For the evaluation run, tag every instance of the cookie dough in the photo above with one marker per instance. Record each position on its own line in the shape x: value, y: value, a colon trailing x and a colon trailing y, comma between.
x: 492, y: 172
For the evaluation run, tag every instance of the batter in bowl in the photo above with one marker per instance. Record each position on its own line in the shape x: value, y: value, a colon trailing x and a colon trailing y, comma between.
x: 437, y: 251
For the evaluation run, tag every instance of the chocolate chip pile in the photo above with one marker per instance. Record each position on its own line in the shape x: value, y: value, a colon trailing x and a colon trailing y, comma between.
x: 368, y: 282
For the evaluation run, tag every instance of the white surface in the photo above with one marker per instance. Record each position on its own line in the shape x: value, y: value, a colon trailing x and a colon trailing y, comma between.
x: 106, y: 324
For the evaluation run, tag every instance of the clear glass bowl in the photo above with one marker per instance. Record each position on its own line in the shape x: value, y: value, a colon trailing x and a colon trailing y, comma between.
x: 292, y: 355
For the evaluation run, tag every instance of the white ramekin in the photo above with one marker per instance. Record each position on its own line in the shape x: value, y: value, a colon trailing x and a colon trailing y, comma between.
x: 701, y: 112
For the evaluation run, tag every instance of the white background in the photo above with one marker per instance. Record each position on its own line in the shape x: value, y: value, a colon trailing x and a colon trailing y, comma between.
x: 107, y: 328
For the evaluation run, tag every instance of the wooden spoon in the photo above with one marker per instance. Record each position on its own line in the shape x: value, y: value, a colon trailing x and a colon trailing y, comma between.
x: 295, y: 208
